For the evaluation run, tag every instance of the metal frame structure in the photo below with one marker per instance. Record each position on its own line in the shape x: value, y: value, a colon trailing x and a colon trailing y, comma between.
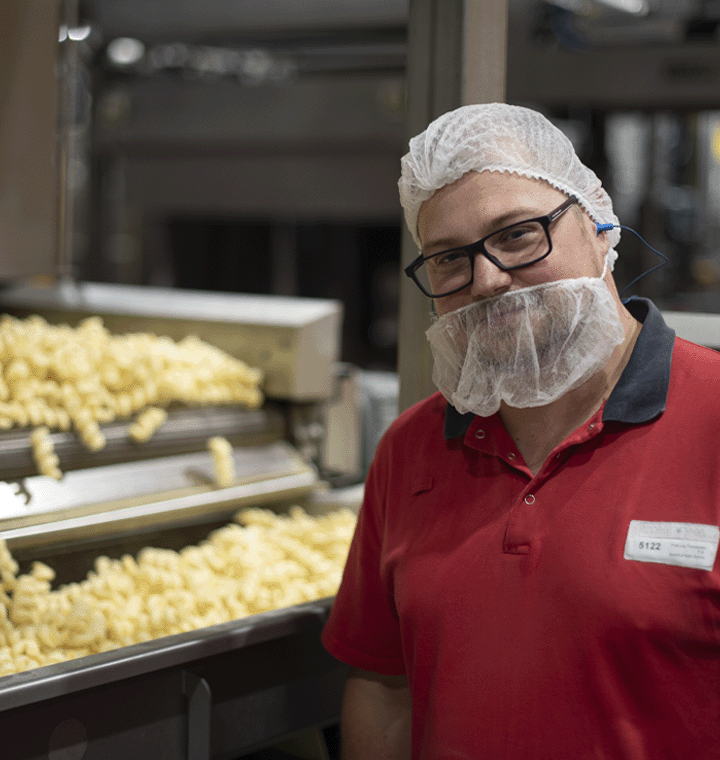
x: 215, y: 693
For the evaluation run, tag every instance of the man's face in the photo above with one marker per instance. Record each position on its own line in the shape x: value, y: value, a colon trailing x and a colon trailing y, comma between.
x: 478, y: 204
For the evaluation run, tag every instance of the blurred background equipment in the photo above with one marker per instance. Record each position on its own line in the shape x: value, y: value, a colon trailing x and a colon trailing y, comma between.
x: 256, y: 150
x: 29, y: 176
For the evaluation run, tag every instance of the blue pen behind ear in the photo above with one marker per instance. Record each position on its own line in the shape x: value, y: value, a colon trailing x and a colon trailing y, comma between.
x: 606, y: 227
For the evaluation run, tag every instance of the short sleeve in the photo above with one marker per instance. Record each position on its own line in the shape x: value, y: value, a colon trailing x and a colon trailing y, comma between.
x: 363, y: 629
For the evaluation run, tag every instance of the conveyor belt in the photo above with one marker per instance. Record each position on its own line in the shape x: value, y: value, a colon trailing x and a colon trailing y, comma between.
x: 131, y: 497
x: 214, y: 693
x: 186, y: 430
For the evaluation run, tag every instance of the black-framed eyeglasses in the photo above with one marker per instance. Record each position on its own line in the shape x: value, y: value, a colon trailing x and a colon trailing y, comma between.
x: 513, y: 247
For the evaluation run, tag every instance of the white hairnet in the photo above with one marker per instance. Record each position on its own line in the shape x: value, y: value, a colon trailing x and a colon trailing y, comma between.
x: 501, y: 138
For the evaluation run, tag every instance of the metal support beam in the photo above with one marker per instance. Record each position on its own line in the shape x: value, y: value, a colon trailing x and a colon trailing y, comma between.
x: 485, y: 51
x: 28, y: 126
x: 456, y: 55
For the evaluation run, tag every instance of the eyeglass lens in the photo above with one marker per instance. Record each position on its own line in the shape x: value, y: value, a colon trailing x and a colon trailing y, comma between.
x: 516, y: 246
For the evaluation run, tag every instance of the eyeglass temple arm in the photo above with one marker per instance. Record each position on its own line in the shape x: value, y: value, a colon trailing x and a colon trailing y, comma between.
x: 562, y: 209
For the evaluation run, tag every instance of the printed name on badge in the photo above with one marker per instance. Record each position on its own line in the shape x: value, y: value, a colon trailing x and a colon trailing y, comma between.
x: 673, y: 543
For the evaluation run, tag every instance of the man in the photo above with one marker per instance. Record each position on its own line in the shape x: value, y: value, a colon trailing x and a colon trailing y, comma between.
x: 533, y: 572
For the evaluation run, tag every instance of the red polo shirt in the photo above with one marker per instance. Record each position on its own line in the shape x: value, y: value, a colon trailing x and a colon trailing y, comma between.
x: 569, y: 615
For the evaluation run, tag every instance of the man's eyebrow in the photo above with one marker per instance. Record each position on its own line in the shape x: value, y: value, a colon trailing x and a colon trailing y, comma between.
x: 494, y: 224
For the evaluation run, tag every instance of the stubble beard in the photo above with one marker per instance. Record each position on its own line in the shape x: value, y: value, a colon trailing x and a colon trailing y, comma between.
x: 514, y: 339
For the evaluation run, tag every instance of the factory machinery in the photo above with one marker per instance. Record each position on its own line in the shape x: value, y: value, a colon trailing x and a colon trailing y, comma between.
x: 218, y: 692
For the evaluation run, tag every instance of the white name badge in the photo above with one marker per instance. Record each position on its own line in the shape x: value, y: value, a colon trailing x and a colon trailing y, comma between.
x: 673, y: 543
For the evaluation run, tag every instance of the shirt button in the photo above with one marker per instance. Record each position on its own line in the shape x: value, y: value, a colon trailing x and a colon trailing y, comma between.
x: 479, y: 433
x: 591, y: 426
x: 529, y: 499
x: 512, y: 456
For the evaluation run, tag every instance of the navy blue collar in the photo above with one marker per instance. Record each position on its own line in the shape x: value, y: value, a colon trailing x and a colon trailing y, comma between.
x: 641, y: 392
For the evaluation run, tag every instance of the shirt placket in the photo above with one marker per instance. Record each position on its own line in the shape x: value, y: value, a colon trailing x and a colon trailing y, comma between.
x: 524, y: 525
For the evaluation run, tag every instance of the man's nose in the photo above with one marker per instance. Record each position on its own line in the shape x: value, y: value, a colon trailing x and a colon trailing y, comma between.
x: 488, y: 280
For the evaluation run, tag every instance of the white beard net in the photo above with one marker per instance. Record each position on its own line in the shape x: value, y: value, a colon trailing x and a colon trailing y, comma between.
x: 527, y: 347
x: 500, y: 138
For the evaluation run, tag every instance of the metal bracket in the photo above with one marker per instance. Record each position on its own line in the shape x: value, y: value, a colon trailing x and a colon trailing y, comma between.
x: 199, y: 699
x: 20, y: 489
